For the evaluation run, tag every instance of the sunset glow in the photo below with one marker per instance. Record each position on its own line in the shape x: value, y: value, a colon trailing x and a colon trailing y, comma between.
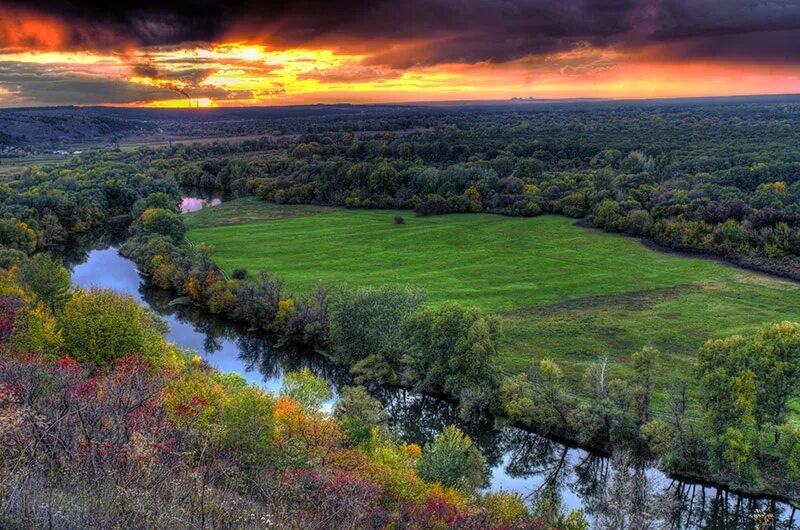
x: 38, y: 47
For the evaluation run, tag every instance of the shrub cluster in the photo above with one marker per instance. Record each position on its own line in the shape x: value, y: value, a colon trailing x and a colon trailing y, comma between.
x: 124, y: 440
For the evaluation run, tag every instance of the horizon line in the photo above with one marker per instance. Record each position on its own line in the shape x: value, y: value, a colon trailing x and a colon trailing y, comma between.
x: 520, y: 100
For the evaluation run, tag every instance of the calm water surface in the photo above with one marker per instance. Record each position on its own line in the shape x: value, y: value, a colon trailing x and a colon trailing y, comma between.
x: 520, y: 461
x: 192, y: 204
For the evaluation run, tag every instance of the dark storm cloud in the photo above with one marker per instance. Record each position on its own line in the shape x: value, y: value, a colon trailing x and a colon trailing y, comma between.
x: 45, y: 85
x: 41, y: 85
x: 438, y: 31
x: 763, y: 31
x: 183, y: 72
x: 145, y: 70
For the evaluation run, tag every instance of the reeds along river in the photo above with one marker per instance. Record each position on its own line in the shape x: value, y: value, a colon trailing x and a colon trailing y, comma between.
x: 614, y: 492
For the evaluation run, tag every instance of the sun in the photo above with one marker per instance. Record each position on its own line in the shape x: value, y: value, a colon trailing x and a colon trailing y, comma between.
x: 251, y: 54
x: 177, y: 103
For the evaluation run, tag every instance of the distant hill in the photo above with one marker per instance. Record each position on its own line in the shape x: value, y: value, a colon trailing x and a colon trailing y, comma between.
x: 68, y: 126
x: 59, y: 127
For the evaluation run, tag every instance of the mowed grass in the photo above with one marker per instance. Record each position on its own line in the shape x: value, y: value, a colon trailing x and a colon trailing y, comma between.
x: 560, y: 291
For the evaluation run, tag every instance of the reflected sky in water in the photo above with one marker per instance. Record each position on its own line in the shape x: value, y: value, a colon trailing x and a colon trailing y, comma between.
x: 192, y: 204
x: 107, y: 269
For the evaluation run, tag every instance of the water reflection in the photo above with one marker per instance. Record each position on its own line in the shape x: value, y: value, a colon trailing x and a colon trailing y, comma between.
x: 192, y: 204
x: 614, y: 492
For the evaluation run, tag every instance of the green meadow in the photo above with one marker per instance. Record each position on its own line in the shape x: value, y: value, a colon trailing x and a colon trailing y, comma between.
x: 569, y: 293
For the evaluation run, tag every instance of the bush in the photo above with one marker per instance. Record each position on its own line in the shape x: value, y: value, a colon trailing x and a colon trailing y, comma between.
x: 100, y: 326
x: 48, y: 279
x: 367, y: 321
x: 162, y: 222
x: 239, y: 273
x: 398, y: 220
x: 506, y: 507
x: 453, y: 460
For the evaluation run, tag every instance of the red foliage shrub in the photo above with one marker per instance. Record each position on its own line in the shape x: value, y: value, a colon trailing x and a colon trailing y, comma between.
x: 9, y: 309
x: 334, y: 499
x: 93, y: 423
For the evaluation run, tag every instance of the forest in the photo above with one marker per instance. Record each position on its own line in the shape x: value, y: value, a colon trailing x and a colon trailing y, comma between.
x: 717, y: 179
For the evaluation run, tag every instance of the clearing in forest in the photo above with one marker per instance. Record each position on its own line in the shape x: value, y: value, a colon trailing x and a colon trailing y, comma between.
x: 561, y: 291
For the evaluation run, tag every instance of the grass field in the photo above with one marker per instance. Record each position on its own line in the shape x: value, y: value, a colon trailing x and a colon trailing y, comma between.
x: 560, y: 291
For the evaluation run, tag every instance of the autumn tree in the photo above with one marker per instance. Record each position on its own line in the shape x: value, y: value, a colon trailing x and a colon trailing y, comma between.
x: 17, y: 235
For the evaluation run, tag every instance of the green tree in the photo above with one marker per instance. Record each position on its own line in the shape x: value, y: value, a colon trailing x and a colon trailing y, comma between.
x: 769, y: 362
x: 247, y: 419
x: 383, y: 179
x: 739, y: 440
x: 552, y: 406
x: 729, y: 398
x: 775, y: 355
x: 789, y: 451
x: 358, y: 413
x: 367, y: 321
x: 453, y: 460
x: 158, y: 200
x: 675, y: 438
x: 356, y: 403
x: 607, y: 215
x: 644, y: 366
x: 452, y: 347
x: 309, y: 390
x: 51, y: 233
x: 48, y: 279
x: 516, y: 398
x: 162, y: 222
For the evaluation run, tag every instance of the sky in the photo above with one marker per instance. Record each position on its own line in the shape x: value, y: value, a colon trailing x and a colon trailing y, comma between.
x: 234, y: 53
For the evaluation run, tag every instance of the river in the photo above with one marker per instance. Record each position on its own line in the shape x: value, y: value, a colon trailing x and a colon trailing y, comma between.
x: 609, y: 490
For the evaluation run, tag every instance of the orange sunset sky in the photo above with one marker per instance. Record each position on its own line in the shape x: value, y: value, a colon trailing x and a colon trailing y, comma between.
x: 279, y: 53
